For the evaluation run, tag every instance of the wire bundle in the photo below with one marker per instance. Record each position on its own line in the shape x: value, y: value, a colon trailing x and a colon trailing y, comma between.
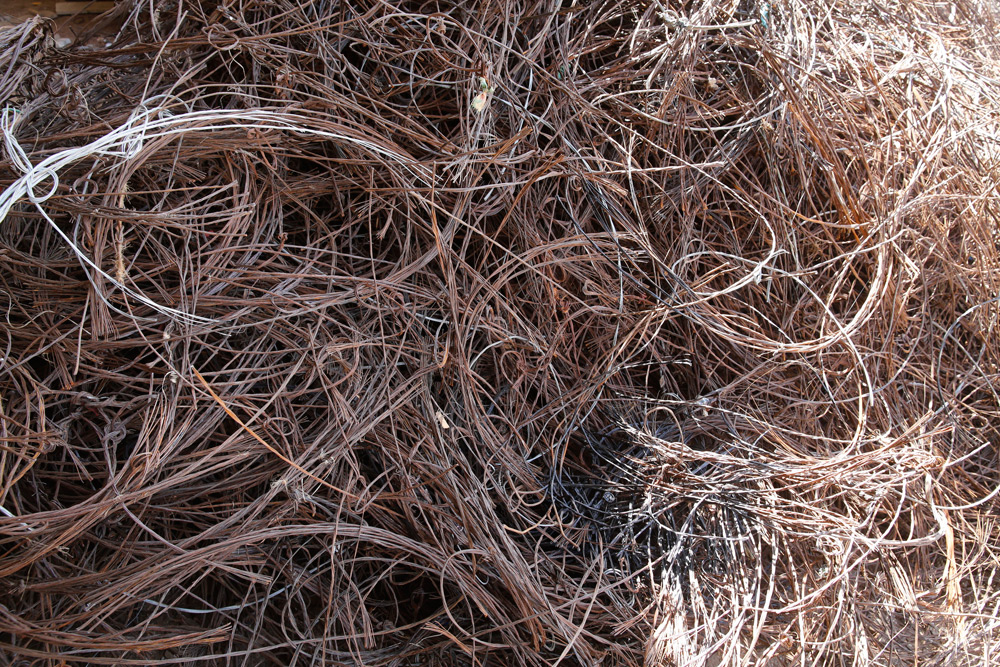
x: 610, y: 333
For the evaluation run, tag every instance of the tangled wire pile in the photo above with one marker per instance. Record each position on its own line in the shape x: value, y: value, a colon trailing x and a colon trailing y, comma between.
x: 502, y: 333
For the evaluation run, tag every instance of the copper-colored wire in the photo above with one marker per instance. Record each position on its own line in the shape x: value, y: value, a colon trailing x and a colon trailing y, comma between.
x: 601, y: 333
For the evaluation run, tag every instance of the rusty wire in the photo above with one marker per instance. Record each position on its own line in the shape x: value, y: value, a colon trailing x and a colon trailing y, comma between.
x: 497, y: 333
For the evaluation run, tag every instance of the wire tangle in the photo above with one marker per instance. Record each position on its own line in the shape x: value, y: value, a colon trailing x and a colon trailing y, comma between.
x: 501, y: 333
